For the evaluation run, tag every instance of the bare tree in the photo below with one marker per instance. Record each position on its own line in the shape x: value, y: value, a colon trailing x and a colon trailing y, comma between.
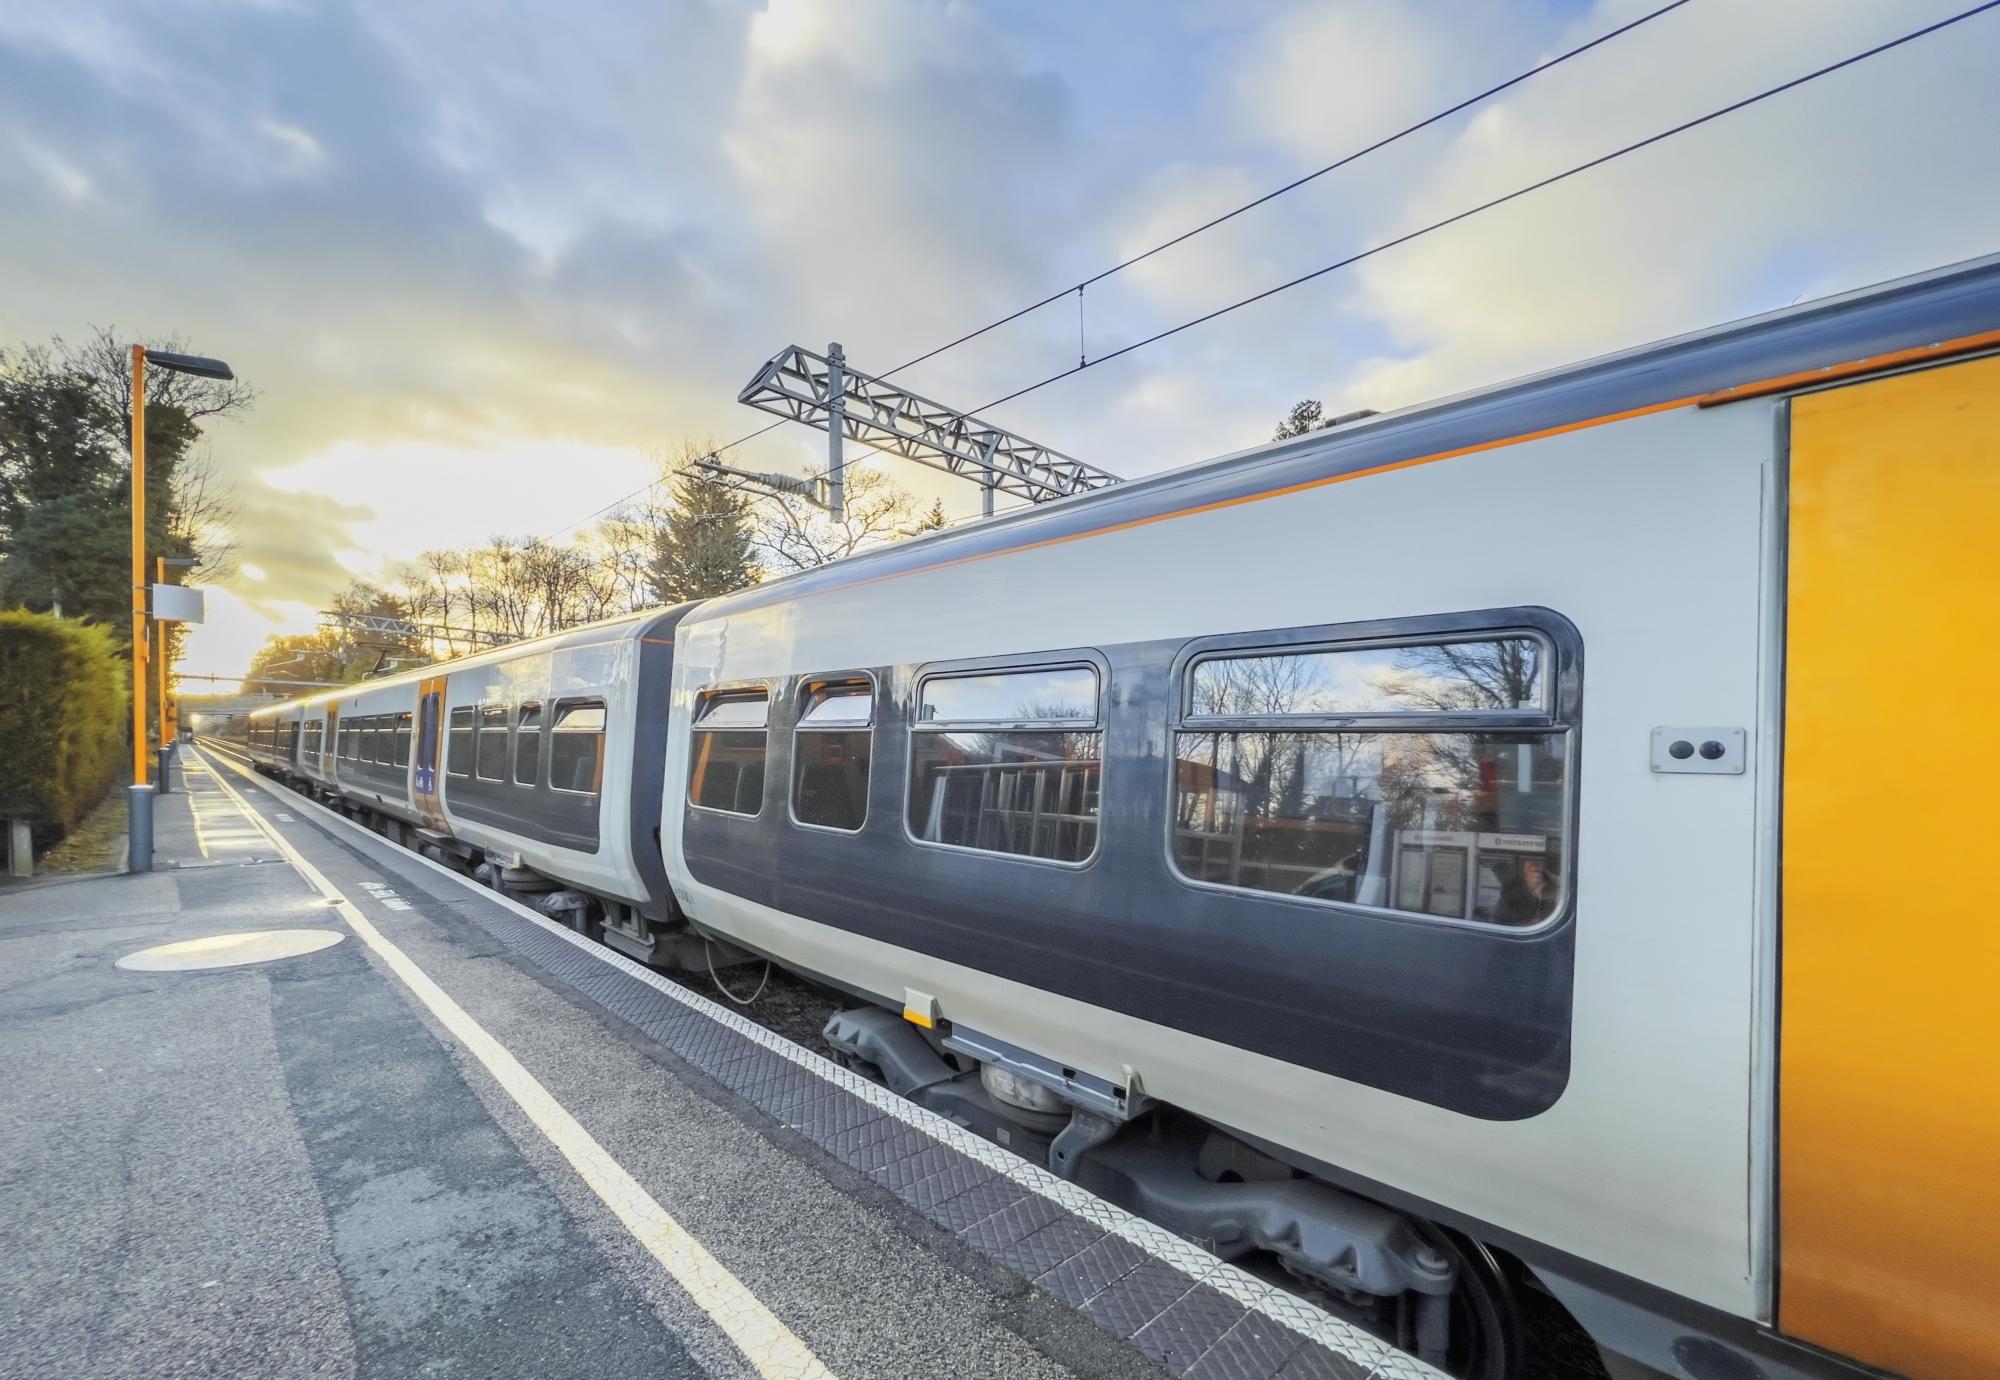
x: 202, y: 515
x: 796, y: 535
x: 105, y: 359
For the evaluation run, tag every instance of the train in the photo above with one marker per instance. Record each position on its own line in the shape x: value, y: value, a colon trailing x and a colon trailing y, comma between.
x: 1457, y: 862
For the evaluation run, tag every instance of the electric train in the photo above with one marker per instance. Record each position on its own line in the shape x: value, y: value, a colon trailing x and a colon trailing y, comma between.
x: 1522, y: 846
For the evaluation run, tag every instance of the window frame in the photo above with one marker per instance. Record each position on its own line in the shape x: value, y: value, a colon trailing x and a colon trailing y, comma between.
x: 1085, y: 658
x: 479, y: 731
x: 807, y: 689
x: 556, y: 708
x: 703, y: 697
x: 448, y: 768
x: 402, y: 734
x: 1561, y: 715
x: 521, y: 730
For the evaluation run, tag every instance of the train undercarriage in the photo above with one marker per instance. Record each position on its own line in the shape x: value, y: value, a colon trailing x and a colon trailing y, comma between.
x: 1464, y: 1307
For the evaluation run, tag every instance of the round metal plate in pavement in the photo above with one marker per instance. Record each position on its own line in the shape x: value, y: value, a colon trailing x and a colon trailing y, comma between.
x: 229, y: 950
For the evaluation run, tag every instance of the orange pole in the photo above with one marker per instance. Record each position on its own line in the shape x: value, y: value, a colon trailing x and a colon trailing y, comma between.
x: 138, y: 565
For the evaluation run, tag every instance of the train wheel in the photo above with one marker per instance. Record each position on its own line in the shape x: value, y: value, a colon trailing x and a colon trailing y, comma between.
x: 1488, y: 1337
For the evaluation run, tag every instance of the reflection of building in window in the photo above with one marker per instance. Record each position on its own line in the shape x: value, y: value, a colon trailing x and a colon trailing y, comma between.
x: 1009, y: 762
x: 1380, y: 808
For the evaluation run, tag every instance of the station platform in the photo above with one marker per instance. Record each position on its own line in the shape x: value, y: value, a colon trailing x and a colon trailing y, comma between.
x: 302, y: 1103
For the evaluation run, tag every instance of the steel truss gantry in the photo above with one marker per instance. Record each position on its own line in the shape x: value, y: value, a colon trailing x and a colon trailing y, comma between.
x: 822, y: 391
x: 383, y: 625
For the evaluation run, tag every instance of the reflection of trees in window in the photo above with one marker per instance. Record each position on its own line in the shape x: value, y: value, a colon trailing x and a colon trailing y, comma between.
x: 1494, y: 674
x: 1462, y: 677
x: 1338, y: 812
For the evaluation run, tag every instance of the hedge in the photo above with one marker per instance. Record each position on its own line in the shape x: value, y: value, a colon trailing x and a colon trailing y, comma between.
x: 62, y: 718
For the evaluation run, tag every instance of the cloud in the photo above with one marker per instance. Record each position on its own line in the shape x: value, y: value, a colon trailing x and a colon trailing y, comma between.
x: 1852, y: 180
x: 446, y: 252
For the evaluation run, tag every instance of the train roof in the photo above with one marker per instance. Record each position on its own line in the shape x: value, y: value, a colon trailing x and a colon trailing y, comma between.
x: 1870, y: 328
x: 623, y: 625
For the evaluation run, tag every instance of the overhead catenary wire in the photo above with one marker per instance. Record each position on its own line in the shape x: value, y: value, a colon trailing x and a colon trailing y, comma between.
x: 1297, y: 183
x: 1077, y: 289
x: 1514, y: 195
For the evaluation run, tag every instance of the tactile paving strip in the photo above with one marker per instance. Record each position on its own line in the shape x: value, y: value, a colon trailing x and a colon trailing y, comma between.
x: 1193, y: 1313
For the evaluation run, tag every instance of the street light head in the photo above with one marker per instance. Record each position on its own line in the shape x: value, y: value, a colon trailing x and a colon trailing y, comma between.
x: 181, y: 562
x: 201, y: 366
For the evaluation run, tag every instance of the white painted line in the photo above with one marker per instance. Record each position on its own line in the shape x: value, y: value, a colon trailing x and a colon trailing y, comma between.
x: 1279, y: 1305
x: 766, y: 1342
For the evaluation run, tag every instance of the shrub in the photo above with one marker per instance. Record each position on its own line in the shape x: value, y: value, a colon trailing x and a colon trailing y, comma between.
x: 62, y: 718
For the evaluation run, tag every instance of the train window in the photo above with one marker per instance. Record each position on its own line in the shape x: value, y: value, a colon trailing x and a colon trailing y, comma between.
x: 458, y: 748
x: 1486, y: 675
x: 528, y: 745
x: 403, y: 739
x: 1008, y: 762
x: 347, y: 737
x: 1055, y: 695
x: 728, y: 750
x: 1336, y: 775
x: 491, y: 756
x: 576, y: 746
x: 314, y: 730
x: 830, y: 754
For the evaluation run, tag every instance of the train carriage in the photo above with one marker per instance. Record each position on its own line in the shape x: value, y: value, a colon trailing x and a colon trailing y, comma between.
x: 533, y: 761
x: 551, y: 763
x: 271, y: 736
x: 1405, y: 802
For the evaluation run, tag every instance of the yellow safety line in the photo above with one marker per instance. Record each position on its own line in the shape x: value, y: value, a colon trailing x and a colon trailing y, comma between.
x: 194, y: 805
x: 768, y: 1344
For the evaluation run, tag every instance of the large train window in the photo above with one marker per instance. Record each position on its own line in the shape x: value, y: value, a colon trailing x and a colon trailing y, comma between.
x: 403, y: 739
x: 490, y: 752
x: 730, y: 732
x: 315, y: 728
x: 830, y: 754
x: 1429, y: 777
x: 1008, y: 762
x: 528, y: 746
x: 458, y: 745
x: 576, y: 746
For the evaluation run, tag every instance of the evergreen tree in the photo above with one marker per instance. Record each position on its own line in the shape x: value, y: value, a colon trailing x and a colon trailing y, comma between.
x: 704, y: 545
x: 65, y: 491
x: 1305, y: 416
x: 933, y: 519
x: 64, y: 519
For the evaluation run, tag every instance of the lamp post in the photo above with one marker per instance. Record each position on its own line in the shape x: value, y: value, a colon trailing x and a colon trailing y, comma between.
x: 139, y: 819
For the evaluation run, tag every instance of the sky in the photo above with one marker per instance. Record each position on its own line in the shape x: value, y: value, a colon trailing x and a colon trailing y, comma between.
x: 487, y: 264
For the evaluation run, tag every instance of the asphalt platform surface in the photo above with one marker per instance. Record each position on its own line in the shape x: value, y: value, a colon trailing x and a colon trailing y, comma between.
x: 301, y: 1167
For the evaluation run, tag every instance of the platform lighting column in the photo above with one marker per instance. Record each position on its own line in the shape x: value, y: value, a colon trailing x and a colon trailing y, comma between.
x: 139, y: 817
x: 139, y: 821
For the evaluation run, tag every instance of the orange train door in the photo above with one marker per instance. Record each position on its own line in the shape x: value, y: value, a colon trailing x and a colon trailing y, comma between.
x: 428, y: 750
x: 1889, y: 1029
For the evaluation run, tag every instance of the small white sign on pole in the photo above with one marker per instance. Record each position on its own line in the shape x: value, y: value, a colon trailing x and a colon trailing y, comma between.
x: 177, y: 604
